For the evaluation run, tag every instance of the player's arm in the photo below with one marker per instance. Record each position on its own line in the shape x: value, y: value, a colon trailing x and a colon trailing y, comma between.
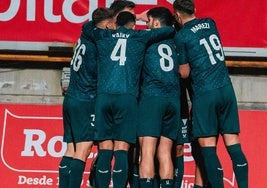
x: 156, y: 35
x: 87, y: 31
x: 184, y: 67
x: 142, y: 16
x: 184, y: 70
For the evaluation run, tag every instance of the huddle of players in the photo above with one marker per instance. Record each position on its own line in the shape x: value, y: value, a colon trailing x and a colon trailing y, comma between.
x: 129, y: 79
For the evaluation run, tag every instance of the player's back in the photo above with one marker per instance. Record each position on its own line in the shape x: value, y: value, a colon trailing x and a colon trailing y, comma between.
x: 83, y: 77
x: 160, y: 71
x: 121, y: 54
x: 205, y: 54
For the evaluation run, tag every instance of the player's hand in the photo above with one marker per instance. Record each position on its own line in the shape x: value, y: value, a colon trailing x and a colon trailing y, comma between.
x: 142, y: 16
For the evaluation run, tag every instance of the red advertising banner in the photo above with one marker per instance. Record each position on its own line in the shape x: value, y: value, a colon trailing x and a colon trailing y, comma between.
x: 31, y: 148
x: 242, y: 23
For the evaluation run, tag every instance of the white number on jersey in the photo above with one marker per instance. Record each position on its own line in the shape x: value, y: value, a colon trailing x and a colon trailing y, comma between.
x: 119, y: 52
x: 77, y: 57
x: 162, y: 49
x: 93, y: 120
x: 216, y: 45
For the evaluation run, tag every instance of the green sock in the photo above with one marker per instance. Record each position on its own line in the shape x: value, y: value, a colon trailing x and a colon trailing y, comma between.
x: 64, y: 172
x: 240, y: 165
x: 77, y: 167
x: 103, y: 168
x: 156, y: 182
x: 179, y: 171
x: 213, y: 166
x: 120, y: 170
x: 166, y: 183
x: 135, y: 177
x: 146, y: 182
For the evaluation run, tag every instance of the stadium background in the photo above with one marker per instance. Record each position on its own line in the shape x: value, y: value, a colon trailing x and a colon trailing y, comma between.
x: 36, y: 41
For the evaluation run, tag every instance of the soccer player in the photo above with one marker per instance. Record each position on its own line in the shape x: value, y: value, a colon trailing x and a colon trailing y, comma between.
x: 159, y: 105
x: 120, y: 58
x: 120, y: 6
x: 78, y: 106
x: 214, y: 103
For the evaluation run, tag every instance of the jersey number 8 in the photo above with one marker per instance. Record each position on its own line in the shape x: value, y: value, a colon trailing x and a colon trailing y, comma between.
x: 165, y: 56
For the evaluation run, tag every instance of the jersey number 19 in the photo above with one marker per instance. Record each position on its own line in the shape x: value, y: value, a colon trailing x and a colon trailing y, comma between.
x: 214, y: 43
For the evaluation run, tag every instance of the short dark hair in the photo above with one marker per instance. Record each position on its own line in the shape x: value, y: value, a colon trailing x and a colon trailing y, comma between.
x: 119, y: 5
x: 186, y: 6
x: 101, y: 14
x: 163, y: 14
x: 124, y: 18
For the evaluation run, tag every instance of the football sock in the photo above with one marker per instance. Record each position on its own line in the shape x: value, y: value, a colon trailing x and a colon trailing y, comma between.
x: 103, y: 168
x: 92, y: 179
x: 135, y: 177
x: 156, y: 182
x: 179, y: 171
x: 120, y: 170
x: 77, y: 167
x: 146, y: 182
x: 213, y: 166
x: 240, y: 165
x: 64, y: 172
x: 166, y: 183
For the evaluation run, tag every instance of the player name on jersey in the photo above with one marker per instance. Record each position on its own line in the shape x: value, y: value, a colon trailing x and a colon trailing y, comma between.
x: 120, y: 35
x: 197, y: 27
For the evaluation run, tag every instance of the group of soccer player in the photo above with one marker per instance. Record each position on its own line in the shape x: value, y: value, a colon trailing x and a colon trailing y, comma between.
x: 127, y: 94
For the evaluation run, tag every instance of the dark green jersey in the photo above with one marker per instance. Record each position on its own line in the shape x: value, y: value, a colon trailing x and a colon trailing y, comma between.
x: 160, y: 71
x: 120, y: 57
x: 198, y: 43
x: 83, y: 69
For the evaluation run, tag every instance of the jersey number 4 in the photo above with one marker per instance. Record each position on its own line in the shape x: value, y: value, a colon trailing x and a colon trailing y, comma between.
x: 214, y: 43
x: 119, y: 52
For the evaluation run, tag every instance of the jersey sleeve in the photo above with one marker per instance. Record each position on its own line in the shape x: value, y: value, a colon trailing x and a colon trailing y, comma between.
x: 156, y: 35
x: 180, y: 48
x: 87, y: 31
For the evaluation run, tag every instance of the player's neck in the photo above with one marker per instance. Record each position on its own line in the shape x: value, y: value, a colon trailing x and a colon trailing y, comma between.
x: 188, y: 19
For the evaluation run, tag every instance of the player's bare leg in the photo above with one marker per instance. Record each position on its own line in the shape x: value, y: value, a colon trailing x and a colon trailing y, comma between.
x: 164, y: 154
x: 83, y: 150
x: 146, y: 167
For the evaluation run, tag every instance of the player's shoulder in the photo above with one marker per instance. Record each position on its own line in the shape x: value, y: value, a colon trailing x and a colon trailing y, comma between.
x: 88, y: 26
x: 181, y: 34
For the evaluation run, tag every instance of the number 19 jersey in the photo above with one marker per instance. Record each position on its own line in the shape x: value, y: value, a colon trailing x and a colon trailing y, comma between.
x: 198, y: 43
